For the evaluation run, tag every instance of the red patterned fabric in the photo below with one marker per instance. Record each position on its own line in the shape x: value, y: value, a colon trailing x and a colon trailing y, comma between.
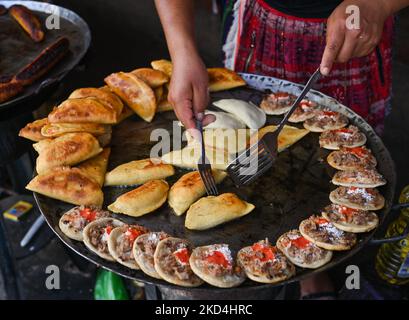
x: 286, y: 47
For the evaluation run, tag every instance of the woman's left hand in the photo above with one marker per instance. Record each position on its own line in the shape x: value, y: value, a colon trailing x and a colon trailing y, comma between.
x: 345, y: 42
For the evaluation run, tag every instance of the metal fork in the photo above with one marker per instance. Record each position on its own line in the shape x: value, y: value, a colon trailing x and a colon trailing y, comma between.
x: 259, y: 157
x: 204, y: 167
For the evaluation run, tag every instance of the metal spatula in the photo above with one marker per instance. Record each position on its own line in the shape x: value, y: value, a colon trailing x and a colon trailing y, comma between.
x: 259, y: 157
x: 204, y: 167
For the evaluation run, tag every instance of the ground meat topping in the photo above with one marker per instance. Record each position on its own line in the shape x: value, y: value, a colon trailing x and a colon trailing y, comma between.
x: 359, y: 196
x: 354, y: 158
x: 360, y: 176
x: 327, y: 119
x: 99, y: 236
x: 217, y: 260
x: 277, y: 101
x: 126, y: 240
x: 79, y: 217
x: 263, y: 259
x: 342, y: 214
x: 342, y: 137
x: 300, y: 249
x: 322, y: 230
x: 148, y: 243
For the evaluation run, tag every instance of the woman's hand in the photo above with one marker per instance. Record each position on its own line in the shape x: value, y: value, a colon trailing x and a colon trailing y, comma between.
x: 344, y: 42
x: 188, y: 92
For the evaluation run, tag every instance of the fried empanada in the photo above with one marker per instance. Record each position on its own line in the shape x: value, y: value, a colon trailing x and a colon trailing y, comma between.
x: 83, y: 110
x: 69, y: 185
x: 67, y: 150
x: 138, y: 172
x: 52, y: 130
x: 32, y: 131
x: 188, y: 157
x: 135, y: 92
x: 211, y: 211
x: 223, y: 79
x: 142, y: 200
x: 188, y: 189
x: 153, y: 78
x: 163, y: 65
x: 105, y: 96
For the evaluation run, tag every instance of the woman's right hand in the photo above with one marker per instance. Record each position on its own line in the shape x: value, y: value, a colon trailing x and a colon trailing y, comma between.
x: 188, y: 92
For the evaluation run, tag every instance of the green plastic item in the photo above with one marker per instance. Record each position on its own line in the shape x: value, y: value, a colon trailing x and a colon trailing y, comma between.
x: 109, y: 286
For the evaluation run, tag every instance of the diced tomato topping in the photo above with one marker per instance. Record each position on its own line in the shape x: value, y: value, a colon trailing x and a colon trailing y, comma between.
x: 133, y: 233
x: 300, y: 242
x: 359, y: 151
x: 88, y: 214
x: 182, y: 255
x: 346, y: 211
x: 343, y: 130
x: 321, y: 221
x: 266, y: 251
x: 306, y: 104
x: 108, y: 230
x: 330, y: 113
x: 219, y: 258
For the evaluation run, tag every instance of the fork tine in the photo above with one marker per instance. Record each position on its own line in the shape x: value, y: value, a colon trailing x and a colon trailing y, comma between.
x: 205, y: 182
x: 211, y: 181
x: 210, y: 190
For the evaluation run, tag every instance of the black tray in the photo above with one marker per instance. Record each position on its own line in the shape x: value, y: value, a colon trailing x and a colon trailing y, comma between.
x: 17, y: 49
x: 296, y: 188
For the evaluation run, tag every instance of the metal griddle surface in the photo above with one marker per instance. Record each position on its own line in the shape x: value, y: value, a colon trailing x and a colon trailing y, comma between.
x: 17, y: 49
x: 297, y: 187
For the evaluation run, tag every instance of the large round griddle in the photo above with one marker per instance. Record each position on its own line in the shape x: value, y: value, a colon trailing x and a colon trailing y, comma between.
x: 297, y: 187
x: 17, y: 49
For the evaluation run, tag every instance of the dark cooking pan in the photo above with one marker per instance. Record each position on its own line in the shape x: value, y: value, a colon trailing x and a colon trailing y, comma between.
x: 18, y: 50
x: 297, y: 187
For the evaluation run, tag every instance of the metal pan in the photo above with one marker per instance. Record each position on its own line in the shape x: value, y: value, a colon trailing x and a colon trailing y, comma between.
x: 17, y: 49
x: 298, y: 187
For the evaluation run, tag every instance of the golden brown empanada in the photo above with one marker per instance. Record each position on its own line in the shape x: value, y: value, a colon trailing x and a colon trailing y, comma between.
x: 223, y: 79
x: 188, y: 189
x: 105, y: 96
x: 69, y: 185
x: 142, y: 200
x: 135, y: 92
x: 138, y: 172
x: 211, y: 211
x: 83, y: 110
x: 52, y: 130
x: 163, y: 65
x: 67, y: 150
x: 153, y: 78
x: 32, y: 131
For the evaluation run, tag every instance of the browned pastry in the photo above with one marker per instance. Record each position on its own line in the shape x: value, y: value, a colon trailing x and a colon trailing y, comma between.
x: 28, y: 21
x: 47, y: 59
x: 9, y: 90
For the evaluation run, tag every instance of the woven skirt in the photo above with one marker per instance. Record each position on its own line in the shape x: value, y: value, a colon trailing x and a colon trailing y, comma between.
x: 267, y: 42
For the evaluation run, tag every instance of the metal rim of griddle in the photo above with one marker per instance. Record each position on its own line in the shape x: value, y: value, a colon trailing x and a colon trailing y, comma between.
x: 263, y: 84
x: 47, y: 81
